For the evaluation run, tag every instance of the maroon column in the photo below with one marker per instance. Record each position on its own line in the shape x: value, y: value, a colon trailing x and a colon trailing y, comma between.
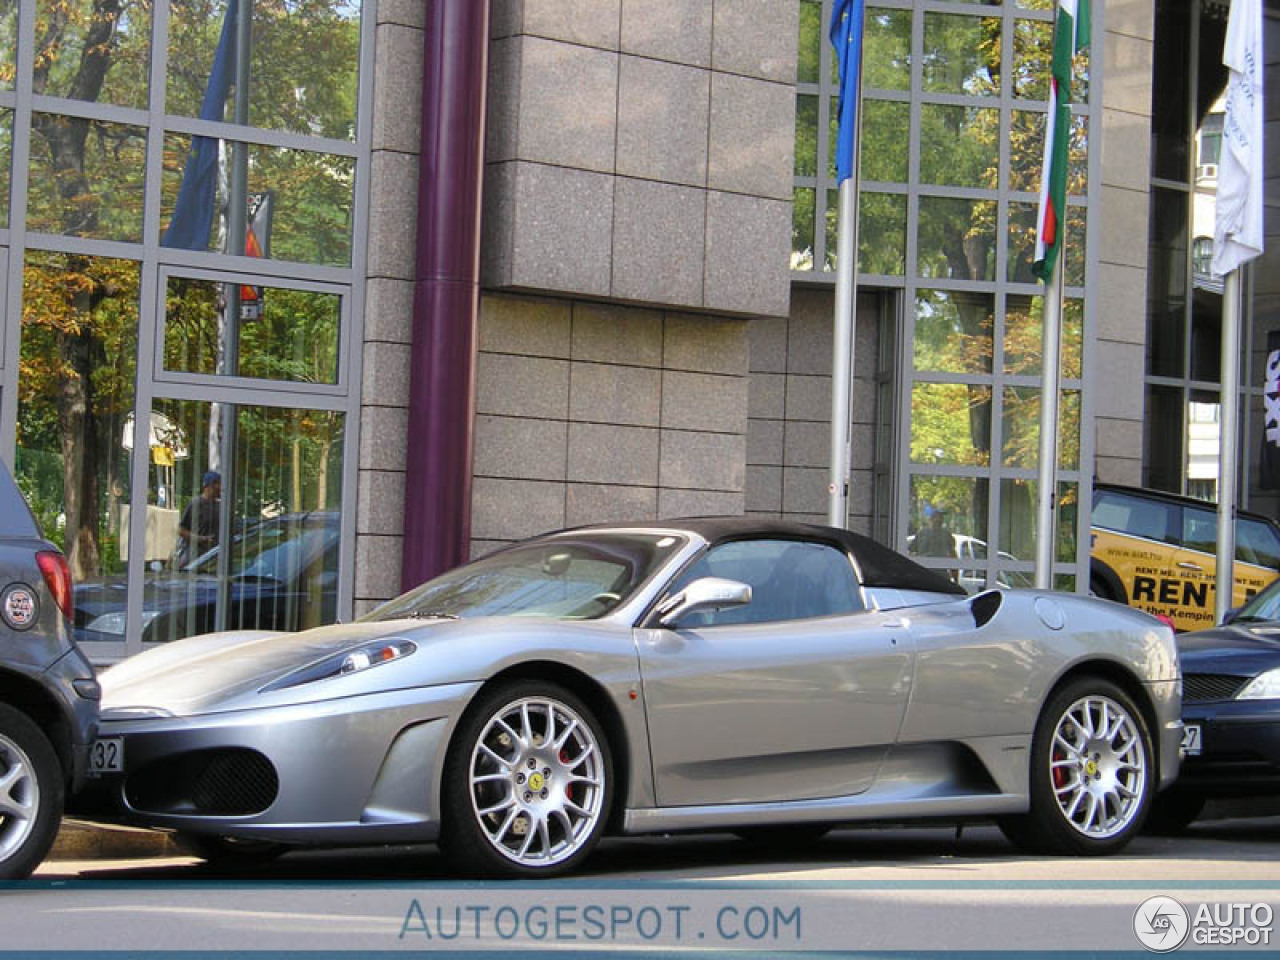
x: 446, y: 301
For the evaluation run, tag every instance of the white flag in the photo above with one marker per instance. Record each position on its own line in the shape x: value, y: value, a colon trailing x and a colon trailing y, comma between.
x: 1237, y: 234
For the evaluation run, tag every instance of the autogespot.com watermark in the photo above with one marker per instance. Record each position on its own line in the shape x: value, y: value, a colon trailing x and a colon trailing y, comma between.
x: 758, y: 925
x: 1163, y: 924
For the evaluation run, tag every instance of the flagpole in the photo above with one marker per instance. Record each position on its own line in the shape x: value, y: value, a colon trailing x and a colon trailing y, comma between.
x: 843, y: 352
x: 1228, y: 444
x: 845, y: 319
x: 1047, y: 499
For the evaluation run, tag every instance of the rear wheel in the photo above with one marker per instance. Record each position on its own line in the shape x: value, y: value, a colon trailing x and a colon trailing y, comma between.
x: 527, y: 783
x: 1091, y: 773
x: 32, y: 791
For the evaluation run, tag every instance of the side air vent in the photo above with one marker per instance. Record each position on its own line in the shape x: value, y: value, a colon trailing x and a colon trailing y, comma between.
x: 985, y: 606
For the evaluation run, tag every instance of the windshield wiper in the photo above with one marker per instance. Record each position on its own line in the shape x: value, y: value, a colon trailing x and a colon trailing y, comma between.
x: 426, y: 615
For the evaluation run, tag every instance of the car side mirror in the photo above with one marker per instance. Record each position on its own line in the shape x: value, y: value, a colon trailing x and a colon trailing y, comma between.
x: 707, y: 593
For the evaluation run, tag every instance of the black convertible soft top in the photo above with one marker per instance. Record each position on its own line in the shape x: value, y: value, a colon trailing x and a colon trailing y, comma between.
x: 877, y: 565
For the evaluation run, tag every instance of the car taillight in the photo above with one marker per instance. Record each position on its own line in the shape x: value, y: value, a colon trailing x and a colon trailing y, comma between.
x: 57, y: 574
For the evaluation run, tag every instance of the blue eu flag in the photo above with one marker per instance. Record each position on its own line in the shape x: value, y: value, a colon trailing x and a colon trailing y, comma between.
x: 846, y: 37
x: 193, y: 214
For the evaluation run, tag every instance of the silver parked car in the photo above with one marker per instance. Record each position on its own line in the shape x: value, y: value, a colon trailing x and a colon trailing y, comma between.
x: 712, y: 674
x: 48, y: 694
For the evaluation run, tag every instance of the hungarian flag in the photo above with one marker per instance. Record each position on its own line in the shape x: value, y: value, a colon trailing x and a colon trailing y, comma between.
x: 1070, y: 35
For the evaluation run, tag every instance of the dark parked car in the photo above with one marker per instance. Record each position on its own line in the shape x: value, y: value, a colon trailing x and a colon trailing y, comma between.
x: 1231, y: 712
x: 283, y: 575
x: 48, y: 694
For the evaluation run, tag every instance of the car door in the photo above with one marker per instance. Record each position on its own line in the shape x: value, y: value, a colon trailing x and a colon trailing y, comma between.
x: 794, y: 696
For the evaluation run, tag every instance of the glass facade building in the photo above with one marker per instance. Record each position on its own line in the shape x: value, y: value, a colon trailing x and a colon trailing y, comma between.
x: 213, y: 303
x: 182, y: 268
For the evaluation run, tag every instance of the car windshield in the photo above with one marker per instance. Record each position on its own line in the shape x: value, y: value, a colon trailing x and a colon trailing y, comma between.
x: 574, y: 577
x: 1265, y: 606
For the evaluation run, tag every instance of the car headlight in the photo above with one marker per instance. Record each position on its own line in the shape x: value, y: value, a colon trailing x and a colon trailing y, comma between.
x: 348, y: 662
x: 1265, y: 686
x: 113, y: 623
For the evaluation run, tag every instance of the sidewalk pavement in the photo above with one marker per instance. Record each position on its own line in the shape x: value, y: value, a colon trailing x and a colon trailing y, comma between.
x: 80, y: 840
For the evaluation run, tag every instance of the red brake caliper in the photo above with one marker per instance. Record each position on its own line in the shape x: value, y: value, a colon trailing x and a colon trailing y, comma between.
x: 568, y: 790
x: 1059, y: 773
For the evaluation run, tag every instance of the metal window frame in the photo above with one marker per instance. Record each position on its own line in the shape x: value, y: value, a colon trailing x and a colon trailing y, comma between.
x: 1000, y: 288
x: 157, y: 263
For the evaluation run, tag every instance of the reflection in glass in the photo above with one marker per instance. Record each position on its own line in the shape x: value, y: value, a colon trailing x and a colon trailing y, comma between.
x: 957, y: 238
x: 961, y: 54
x: 1171, y: 52
x: 90, y: 50
x: 959, y: 145
x: 1032, y: 58
x: 1018, y: 516
x: 6, y: 163
x: 951, y: 424
x: 8, y: 43
x: 303, y: 63
x: 1021, y: 441
x: 810, y: 44
x: 1022, y: 243
x: 1023, y: 336
x: 1026, y: 150
x: 885, y: 130
x: 283, y: 334
x: 1162, y: 456
x: 882, y: 233
x: 1167, y: 283
x: 807, y: 135
x: 947, y: 518
x: 87, y: 178
x: 283, y: 493
x: 311, y: 196
x: 953, y: 331
x: 887, y: 49
x: 1078, y: 157
x: 75, y: 400
x: 802, y: 228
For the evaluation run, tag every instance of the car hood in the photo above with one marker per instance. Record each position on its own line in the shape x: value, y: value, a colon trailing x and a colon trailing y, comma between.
x: 1238, y: 649
x: 189, y: 675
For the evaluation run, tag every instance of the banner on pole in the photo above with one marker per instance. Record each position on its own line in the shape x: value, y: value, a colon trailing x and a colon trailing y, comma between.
x: 1269, y: 478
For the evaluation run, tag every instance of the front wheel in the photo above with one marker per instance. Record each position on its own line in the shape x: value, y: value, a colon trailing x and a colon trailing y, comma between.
x: 31, y: 795
x: 1092, y: 771
x: 527, y: 783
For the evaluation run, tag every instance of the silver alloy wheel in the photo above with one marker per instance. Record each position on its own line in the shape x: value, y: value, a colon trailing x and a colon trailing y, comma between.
x: 1098, y: 766
x: 537, y: 781
x: 19, y: 797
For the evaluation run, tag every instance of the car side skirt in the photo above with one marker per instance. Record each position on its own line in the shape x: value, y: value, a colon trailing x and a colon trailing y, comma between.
x: 873, y: 805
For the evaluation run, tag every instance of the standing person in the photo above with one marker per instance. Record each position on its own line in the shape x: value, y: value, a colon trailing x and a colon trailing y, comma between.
x: 198, y: 528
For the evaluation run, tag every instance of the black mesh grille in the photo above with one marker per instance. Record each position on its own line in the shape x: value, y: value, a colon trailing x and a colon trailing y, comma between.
x: 230, y: 782
x: 1210, y: 686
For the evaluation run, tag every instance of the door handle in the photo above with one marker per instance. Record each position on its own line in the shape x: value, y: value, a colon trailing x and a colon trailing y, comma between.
x: 1188, y: 565
x: 897, y: 623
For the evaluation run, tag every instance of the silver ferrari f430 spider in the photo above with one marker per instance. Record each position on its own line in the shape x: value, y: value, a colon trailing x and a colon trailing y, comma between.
x: 765, y: 678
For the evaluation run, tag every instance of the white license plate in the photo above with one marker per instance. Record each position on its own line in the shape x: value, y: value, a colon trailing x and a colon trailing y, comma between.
x: 1191, y: 741
x: 107, y: 755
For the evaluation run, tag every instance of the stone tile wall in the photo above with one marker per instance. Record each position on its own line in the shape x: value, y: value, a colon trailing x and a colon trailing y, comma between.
x: 591, y: 412
x: 1118, y: 358
x: 789, y: 411
x: 388, y: 313
x: 641, y: 150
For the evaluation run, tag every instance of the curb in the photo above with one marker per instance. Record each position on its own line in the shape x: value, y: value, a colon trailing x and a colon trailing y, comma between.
x: 80, y: 840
